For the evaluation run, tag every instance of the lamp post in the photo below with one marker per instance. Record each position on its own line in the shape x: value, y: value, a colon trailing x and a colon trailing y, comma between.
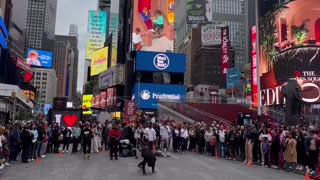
x: 14, y: 108
x: 258, y: 60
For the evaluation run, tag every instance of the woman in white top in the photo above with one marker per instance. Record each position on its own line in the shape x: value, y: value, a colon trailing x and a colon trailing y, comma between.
x: 261, y: 137
x: 184, y: 139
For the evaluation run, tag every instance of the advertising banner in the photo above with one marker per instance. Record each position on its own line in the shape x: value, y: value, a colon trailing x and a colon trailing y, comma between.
x: 130, y: 110
x: 21, y: 64
x: 111, y: 97
x: 99, y: 61
x: 66, y: 118
x: 97, y: 29
x: 225, y: 50
x: 153, y: 25
x: 38, y: 58
x: 86, y: 103
x: 3, y: 34
x: 103, y: 100
x: 199, y: 11
x: 254, y: 73
x: 160, y: 62
x: 112, y: 76
x: 98, y: 100
x: 233, y: 78
x: 46, y: 108
x: 114, y: 29
x: 210, y: 35
x: 147, y: 96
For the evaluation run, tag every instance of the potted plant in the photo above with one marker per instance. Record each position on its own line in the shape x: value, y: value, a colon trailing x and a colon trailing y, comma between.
x: 300, y: 33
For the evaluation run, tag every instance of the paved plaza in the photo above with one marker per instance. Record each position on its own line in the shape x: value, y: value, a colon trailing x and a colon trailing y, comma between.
x: 178, y: 167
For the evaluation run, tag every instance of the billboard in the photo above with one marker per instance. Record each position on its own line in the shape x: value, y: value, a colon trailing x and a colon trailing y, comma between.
x: 199, y: 11
x: 153, y: 25
x: 130, y: 110
x: 46, y: 108
x: 99, y: 61
x: 21, y: 64
x: 112, y: 76
x: 114, y: 29
x: 111, y: 97
x: 148, y: 95
x: 210, y: 35
x: 103, y: 100
x: 66, y: 117
x: 86, y: 103
x: 233, y: 78
x: 3, y: 34
x: 38, y: 58
x: 160, y: 62
x: 97, y: 29
x: 254, y: 73
x: 225, y: 50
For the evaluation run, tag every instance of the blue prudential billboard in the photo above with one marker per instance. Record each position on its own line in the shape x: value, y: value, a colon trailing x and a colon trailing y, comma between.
x: 148, y: 95
x: 233, y: 78
x: 160, y: 62
x: 38, y: 58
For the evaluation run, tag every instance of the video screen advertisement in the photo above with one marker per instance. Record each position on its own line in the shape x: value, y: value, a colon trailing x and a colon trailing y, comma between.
x: 153, y: 25
x: 160, y: 62
x: 38, y: 58
x: 292, y: 53
x: 86, y: 103
x: 99, y: 61
x: 147, y: 96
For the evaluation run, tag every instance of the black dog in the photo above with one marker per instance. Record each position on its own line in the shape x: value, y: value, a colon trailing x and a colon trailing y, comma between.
x: 148, y: 158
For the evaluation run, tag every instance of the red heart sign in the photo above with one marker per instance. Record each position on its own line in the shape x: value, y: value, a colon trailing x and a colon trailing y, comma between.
x: 70, y: 120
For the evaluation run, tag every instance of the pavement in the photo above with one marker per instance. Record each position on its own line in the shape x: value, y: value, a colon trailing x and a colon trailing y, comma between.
x: 179, y: 166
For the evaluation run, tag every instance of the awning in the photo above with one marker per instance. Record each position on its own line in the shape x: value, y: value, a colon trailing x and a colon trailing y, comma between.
x: 7, y: 89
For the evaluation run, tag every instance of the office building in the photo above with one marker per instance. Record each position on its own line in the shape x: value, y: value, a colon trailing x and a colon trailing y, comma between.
x: 63, y: 63
x: 72, y: 41
x: 45, y: 81
x: 73, y: 30
x: 41, y: 20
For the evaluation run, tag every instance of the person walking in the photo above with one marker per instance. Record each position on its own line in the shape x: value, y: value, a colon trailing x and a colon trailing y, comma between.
x: 114, y: 135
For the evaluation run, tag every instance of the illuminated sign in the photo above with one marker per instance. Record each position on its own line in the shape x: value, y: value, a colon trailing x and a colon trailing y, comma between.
x: 3, y: 35
x: 30, y: 94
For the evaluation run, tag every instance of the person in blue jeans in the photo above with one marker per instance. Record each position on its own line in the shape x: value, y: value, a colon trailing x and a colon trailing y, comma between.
x: 41, y: 136
x: 222, y: 141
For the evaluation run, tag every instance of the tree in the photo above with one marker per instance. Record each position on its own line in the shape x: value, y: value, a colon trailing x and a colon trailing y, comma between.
x: 300, y: 32
x: 24, y: 114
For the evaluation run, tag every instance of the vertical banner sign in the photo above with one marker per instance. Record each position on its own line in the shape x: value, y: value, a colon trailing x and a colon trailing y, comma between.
x: 130, y: 110
x: 114, y: 29
x: 254, y: 73
x: 111, y: 97
x: 103, y: 100
x: 99, y: 61
x: 225, y: 50
x: 97, y: 26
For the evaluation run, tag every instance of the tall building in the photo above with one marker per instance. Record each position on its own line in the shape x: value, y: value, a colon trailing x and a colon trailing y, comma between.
x: 44, y: 80
x: 41, y: 20
x: 63, y: 63
x: 72, y: 42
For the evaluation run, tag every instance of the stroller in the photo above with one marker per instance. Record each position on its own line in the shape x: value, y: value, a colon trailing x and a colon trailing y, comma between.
x: 126, y: 148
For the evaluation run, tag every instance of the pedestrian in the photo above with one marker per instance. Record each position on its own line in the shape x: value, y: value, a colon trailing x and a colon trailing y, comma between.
x: 266, y: 151
x: 290, y: 154
x: 26, y: 141
x: 165, y: 131
x: 86, y: 139
x: 15, y: 142
x: 41, y: 136
x: 66, y: 139
x: 76, y: 132
x: 207, y: 136
x: 34, y: 132
x: 114, y: 135
x: 149, y: 159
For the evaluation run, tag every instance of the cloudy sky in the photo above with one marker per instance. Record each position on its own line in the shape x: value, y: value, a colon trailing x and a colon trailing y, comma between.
x: 75, y: 12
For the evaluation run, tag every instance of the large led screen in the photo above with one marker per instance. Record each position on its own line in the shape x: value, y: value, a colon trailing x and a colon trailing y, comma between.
x: 38, y: 58
x: 153, y: 25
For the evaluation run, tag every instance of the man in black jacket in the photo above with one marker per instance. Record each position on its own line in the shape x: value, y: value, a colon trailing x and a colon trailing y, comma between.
x: 41, y: 136
x: 148, y: 157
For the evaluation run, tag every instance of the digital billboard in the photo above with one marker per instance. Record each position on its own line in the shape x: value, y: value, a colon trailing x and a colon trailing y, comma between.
x: 160, y: 62
x: 199, y: 11
x: 38, y: 58
x: 46, y: 108
x: 153, y: 25
x: 233, y: 78
x: 114, y: 29
x: 3, y: 34
x: 86, y: 103
x: 97, y: 28
x: 210, y: 35
x: 147, y: 96
x: 225, y: 50
x: 292, y: 52
x: 99, y: 61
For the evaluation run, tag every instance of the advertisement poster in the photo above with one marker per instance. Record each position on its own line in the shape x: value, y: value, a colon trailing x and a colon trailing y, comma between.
x: 233, y: 78
x: 210, y: 35
x: 99, y: 61
x: 97, y: 29
x: 112, y: 76
x: 254, y: 73
x: 38, y: 58
x: 86, y: 103
x: 160, y: 62
x: 46, y: 108
x: 297, y: 56
x: 66, y: 118
x: 153, y: 25
x: 225, y: 50
x: 130, y: 110
x: 147, y: 96
x: 114, y: 29
x: 199, y: 11
x: 21, y: 64
x: 3, y: 34
x: 111, y: 97
x: 103, y: 100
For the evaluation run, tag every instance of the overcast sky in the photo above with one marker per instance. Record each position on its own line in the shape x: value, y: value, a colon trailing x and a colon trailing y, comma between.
x: 75, y: 12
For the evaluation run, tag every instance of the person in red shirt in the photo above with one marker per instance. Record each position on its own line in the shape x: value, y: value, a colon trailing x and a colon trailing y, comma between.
x: 114, y: 135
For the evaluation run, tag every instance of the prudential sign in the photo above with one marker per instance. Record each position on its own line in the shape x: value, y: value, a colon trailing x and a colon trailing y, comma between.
x: 147, y: 96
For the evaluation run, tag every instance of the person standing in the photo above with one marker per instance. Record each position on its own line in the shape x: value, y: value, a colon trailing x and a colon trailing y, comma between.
x: 14, y: 142
x: 207, y: 136
x: 165, y: 132
x: 41, y: 136
x: 184, y: 138
x: 26, y: 140
x: 152, y: 136
x: 115, y: 136
x: 55, y: 138
x: 86, y: 140
x: 66, y: 139
x: 290, y: 154
x: 222, y: 141
x: 34, y: 131
x: 76, y: 138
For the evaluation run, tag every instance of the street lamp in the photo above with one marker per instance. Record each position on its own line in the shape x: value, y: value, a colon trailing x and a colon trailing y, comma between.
x: 258, y: 60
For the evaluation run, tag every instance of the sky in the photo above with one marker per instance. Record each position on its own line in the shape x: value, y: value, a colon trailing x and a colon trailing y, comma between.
x: 75, y: 12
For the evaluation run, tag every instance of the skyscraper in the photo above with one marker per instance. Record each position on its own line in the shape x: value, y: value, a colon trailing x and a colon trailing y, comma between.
x: 41, y: 20
x: 73, y: 30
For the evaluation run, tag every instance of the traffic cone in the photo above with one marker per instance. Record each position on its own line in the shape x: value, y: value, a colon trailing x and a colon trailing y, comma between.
x: 60, y: 153
x: 249, y: 164
x: 37, y: 161
x: 306, y: 177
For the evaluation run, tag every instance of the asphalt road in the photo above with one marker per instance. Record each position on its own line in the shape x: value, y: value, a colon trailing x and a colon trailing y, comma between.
x: 178, y: 167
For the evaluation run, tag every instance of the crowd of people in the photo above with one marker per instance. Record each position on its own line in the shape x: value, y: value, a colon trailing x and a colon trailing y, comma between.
x: 274, y: 146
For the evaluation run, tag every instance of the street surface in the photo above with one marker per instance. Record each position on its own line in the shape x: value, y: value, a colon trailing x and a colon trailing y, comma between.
x: 178, y: 167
